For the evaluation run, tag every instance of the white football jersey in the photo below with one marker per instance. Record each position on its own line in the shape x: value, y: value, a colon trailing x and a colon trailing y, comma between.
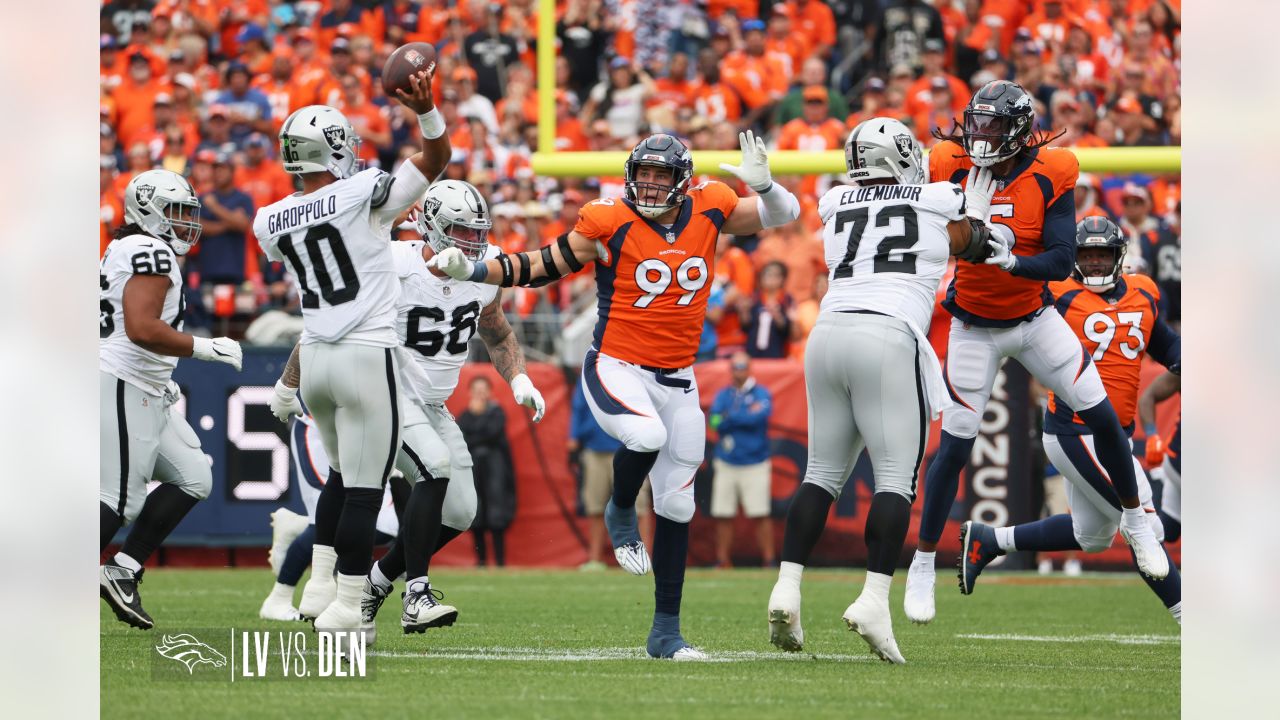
x: 887, y: 246
x: 436, y: 318
x: 312, y: 465
x: 336, y: 244
x: 117, y: 354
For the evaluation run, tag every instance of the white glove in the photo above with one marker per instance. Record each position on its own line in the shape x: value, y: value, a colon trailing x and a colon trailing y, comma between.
x: 453, y: 263
x: 223, y: 350
x: 172, y: 393
x: 977, y: 194
x: 754, y: 170
x: 528, y: 395
x: 1002, y: 256
x: 284, y: 402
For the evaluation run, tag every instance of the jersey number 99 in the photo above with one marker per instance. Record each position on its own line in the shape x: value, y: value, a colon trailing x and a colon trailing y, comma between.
x: 654, y: 278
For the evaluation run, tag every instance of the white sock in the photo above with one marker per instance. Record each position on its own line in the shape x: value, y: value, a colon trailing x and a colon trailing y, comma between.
x: 1004, y: 538
x: 924, y: 558
x: 128, y: 562
x: 877, y: 586
x: 425, y: 582
x: 379, y: 578
x: 282, y: 592
x: 1133, y: 517
x: 323, y: 559
x: 790, y: 573
x: 350, y: 588
x: 1176, y: 611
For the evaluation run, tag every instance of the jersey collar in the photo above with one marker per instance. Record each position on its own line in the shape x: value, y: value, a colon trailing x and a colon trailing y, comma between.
x: 669, y: 234
x: 1020, y: 167
x: 1114, y: 294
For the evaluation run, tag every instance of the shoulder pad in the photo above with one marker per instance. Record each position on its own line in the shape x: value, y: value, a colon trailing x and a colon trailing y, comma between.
x: 1142, y: 282
x: 381, y: 189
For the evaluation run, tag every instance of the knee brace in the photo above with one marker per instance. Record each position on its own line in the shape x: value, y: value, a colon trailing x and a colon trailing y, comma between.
x: 644, y: 435
x: 961, y: 422
x: 676, y: 506
x: 460, y: 500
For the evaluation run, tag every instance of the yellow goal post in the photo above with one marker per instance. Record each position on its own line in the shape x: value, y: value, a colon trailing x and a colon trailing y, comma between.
x: 547, y: 162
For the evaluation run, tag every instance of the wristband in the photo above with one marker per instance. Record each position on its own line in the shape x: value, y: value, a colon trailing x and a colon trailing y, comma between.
x: 431, y: 124
x: 1149, y: 430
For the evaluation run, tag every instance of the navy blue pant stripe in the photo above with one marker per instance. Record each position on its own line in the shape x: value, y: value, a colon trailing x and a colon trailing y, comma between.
x: 1085, y: 464
x: 599, y: 394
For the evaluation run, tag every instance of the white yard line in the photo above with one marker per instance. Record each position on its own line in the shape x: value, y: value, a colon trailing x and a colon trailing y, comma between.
x: 525, y: 654
x: 1107, y: 637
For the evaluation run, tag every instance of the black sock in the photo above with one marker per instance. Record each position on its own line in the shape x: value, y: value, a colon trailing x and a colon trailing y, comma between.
x: 421, y: 528
x: 329, y: 508
x: 353, y: 541
x: 447, y: 534
x: 297, y: 557
x: 886, y: 530
x: 108, y: 524
x: 941, y: 483
x: 1115, y: 454
x: 805, y: 522
x: 670, y: 549
x: 400, y: 491
x: 499, y: 548
x: 630, y: 468
x: 164, y: 509
x: 1169, y: 590
x: 1047, y: 535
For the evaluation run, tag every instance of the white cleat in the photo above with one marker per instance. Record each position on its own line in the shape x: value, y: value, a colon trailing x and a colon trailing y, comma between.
x: 1151, y: 558
x: 1072, y: 568
x: 689, y: 654
x: 785, y: 631
x: 274, y: 608
x: 873, y: 622
x: 918, y: 602
x: 342, y: 619
x: 633, y: 558
x: 317, y: 595
x: 423, y: 610
x: 286, y: 525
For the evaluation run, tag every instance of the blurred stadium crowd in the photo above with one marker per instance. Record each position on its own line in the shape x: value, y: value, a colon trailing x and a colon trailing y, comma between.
x: 201, y: 87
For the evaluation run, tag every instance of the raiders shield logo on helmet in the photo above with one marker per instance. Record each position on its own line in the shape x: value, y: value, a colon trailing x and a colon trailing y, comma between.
x: 144, y: 193
x: 335, y: 136
x: 904, y: 145
x: 431, y: 206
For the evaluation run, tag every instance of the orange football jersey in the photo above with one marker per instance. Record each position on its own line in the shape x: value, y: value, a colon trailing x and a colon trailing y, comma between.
x: 1040, y: 178
x: 653, y: 281
x: 1115, y: 332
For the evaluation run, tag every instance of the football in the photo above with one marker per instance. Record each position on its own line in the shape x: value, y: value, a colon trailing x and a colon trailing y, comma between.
x: 404, y: 62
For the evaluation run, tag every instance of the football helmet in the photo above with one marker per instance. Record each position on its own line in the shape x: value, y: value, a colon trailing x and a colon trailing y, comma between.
x: 317, y: 138
x: 664, y: 151
x: 998, y: 122
x: 165, y: 206
x: 454, y: 214
x: 1099, y: 232
x: 884, y: 148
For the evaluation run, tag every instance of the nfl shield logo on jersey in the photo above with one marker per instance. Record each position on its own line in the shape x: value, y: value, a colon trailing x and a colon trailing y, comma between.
x: 904, y: 145
x: 144, y: 193
x: 335, y: 136
x: 671, y: 238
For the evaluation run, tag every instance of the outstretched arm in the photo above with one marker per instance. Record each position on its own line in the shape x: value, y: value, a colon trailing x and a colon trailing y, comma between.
x: 535, y: 268
x: 508, y: 358
x: 773, y: 205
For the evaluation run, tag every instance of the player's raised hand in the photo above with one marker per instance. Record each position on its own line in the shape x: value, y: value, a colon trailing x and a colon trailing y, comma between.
x: 978, y: 192
x: 527, y: 395
x: 754, y: 170
x: 420, y: 99
x: 284, y: 402
x: 453, y: 263
x: 222, y: 349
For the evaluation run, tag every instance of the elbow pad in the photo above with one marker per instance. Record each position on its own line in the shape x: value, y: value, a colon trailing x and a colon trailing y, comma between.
x: 777, y: 206
x: 979, y: 247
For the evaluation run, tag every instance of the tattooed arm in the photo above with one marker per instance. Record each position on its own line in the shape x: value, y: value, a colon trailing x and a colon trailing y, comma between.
x: 284, y: 403
x: 507, y: 356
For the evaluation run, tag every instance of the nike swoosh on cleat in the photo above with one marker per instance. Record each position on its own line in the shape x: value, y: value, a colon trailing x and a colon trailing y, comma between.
x: 126, y: 598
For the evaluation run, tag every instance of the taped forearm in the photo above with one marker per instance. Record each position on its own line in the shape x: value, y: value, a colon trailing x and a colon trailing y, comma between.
x: 777, y: 206
x: 529, y: 270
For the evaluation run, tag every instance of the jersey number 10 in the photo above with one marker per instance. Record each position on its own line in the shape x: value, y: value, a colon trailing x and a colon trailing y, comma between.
x: 324, y: 232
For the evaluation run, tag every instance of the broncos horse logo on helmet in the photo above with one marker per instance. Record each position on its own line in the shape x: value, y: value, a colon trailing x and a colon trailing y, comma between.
x: 999, y: 123
x: 663, y: 151
x: 1095, y: 274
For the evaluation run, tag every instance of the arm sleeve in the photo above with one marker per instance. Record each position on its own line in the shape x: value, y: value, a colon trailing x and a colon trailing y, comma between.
x: 1166, y: 345
x: 407, y: 187
x: 1059, y: 243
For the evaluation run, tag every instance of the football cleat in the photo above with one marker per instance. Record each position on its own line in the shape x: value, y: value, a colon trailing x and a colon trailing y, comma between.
x: 918, y: 602
x: 689, y: 653
x: 317, y: 595
x: 872, y: 621
x: 285, y: 526
x: 371, y: 599
x: 978, y: 547
x: 423, y: 610
x: 118, y: 585
x: 672, y: 647
x: 274, y: 608
x: 1152, y: 560
x: 341, y: 618
x: 633, y: 558
x: 785, y: 631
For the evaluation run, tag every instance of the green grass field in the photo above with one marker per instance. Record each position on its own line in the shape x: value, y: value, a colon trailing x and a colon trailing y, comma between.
x: 569, y: 644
